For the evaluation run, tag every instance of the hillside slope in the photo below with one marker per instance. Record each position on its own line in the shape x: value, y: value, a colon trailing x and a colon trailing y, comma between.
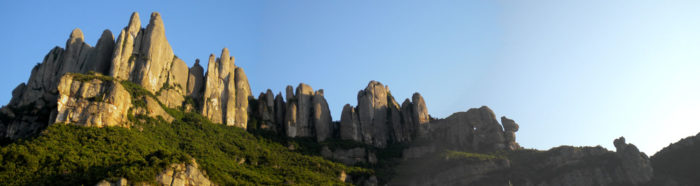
x: 74, y: 155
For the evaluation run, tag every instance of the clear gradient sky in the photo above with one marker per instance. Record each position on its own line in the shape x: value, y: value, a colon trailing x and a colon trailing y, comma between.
x: 578, y: 73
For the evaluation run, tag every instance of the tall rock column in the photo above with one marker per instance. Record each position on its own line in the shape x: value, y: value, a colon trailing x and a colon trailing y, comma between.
x: 420, y: 114
x: 266, y: 111
x: 241, y: 102
x: 155, y: 56
x: 321, y: 117
x: 509, y: 128
x: 211, y: 107
x: 126, y: 50
x: 372, y: 108
x: 350, y: 124
x: 280, y: 112
x: 307, y: 113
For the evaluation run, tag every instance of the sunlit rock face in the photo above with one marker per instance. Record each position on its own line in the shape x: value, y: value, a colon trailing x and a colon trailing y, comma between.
x: 92, y: 102
x: 140, y: 55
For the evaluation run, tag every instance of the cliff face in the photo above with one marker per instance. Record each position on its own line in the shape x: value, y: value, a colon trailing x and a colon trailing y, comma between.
x: 139, y: 55
x: 139, y: 75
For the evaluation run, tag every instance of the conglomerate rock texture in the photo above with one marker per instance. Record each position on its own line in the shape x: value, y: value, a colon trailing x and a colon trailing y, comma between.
x: 139, y: 55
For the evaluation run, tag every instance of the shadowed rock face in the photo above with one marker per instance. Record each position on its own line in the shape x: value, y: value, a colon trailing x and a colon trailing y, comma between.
x: 379, y: 120
x: 306, y: 113
x: 563, y: 165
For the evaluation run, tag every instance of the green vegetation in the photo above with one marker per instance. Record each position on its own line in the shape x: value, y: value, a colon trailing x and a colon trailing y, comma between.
x: 90, y: 76
x: 450, y: 154
x: 72, y: 155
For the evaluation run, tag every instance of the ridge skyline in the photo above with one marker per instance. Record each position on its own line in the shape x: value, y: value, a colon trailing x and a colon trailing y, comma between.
x: 335, y: 105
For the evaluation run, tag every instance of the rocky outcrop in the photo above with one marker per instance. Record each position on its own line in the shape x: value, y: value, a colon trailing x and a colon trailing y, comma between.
x: 175, y: 89
x: 563, y: 165
x: 155, y: 56
x: 677, y: 164
x: 195, y: 81
x: 226, y: 92
x: 266, y: 111
x: 379, y: 120
x: 183, y: 174
x: 140, y: 55
x: 349, y: 124
x: 307, y: 113
x: 321, y: 117
x: 127, y: 48
x: 474, y: 130
x: 509, y: 128
x: 243, y: 94
x: 152, y: 108
x: 636, y: 167
x: 279, y: 112
x: 94, y: 102
x: 32, y: 103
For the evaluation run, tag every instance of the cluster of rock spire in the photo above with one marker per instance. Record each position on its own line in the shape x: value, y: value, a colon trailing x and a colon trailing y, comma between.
x: 377, y: 120
x: 140, y: 55
x: 143, y: 56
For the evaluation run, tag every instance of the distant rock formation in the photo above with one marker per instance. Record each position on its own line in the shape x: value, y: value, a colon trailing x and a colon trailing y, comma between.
x: 139, y: 55
x: 378, y: 119
x: 563, y: 165
x: 307, y: 113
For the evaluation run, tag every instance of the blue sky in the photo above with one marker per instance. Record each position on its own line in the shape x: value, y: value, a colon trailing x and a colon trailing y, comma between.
x: 578, y: 73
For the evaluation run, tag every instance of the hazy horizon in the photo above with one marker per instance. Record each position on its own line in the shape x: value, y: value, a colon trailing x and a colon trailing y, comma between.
x: 579, y: 74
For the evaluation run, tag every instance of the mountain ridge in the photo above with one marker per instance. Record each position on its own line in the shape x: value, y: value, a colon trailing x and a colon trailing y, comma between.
x: 137, y: 80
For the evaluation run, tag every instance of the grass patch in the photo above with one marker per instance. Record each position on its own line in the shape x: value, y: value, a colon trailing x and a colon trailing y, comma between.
x: 457, y: 155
